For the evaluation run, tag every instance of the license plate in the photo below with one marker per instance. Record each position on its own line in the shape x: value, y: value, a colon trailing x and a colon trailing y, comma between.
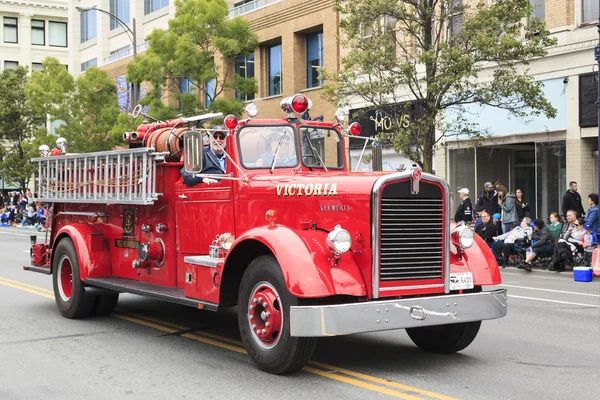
x: 461, y: 280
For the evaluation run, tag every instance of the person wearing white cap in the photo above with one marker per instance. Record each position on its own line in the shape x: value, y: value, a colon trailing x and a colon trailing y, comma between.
x: 464, y: 212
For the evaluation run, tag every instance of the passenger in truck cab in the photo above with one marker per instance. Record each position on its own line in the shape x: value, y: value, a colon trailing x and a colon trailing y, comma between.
x: 214, y: 161
x: 286, y: 155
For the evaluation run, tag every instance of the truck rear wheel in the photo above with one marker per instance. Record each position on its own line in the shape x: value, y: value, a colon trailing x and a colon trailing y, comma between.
x: 68, y: 288
x: 264, y: 319
x: 444, y: 339
x: 105, y: 304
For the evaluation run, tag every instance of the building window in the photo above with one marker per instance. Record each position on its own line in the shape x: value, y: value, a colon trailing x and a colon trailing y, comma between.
x: 539, y: 8
x: 11, y: 64
x: 153, y: 5
x: 244, y: 67
x: 57, y: 34
x: 37, y: 67
x: 10, y: 30
x: 314, y: 59
x: 455, y: 19
x: 274, y: 69
x: 591, y: 9
x: 90, y: 63
x: 120, y: 8
x: 38, y: 32
x: 88, y: 25
x: 209, y: 93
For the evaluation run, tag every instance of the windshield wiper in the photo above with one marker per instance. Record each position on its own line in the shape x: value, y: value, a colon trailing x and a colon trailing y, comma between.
x: 314, y: 151
x: 277, y: 151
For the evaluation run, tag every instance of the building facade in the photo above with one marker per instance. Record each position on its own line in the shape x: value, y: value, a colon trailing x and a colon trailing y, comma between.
x: 540, y: 156
x: 31, y: 31
x: 296, y: 38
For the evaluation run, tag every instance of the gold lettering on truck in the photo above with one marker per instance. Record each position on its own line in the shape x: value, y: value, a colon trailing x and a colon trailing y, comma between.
x: 306, y: 189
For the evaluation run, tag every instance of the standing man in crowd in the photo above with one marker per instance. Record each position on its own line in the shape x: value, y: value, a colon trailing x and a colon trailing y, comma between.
x: 488, y: 199
x: 464, y: 212
x: 572, y: 201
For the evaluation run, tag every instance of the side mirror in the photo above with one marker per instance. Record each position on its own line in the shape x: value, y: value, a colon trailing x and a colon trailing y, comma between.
x: 192, y: 150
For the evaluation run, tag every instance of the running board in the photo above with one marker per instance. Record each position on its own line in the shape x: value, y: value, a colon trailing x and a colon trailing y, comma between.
x: 41, y: 270
x: 166, y: 293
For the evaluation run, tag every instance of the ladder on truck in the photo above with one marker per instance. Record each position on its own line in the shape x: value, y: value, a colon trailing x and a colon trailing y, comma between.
x: 114, y: 177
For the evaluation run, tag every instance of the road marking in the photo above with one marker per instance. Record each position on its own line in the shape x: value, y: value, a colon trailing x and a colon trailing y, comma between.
x: 555, y: 301
x: 331, y: 372
x: 14, y: 234
x: 550, y: 290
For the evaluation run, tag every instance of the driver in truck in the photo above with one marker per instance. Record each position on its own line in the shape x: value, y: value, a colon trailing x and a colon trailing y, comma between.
x: 214, y: 160
x: 281, y: 150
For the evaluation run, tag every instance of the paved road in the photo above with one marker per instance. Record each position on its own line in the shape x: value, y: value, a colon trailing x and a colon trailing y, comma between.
x: 548, y: 347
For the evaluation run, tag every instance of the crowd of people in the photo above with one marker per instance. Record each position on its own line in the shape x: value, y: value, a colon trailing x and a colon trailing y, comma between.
x: 501, y: 219
x: 20, y: 209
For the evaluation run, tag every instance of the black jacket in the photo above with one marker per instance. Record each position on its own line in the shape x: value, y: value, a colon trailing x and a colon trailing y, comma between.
x: 464, y: 212
x: 572, y: 201
x: 487, y: 231
x: 489, y: 203
x: 521, y: 211
x: 542, y: 237
x: 210, y: 165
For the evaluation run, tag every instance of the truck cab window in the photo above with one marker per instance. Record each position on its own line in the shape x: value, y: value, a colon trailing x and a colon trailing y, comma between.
x: 265, y: 146
x: 321, y: 147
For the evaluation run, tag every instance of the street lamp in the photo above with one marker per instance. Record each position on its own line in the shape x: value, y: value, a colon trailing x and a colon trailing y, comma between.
x: 130, y: 34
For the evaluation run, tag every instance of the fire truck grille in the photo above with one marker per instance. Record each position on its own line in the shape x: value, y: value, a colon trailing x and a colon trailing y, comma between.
x: 411, y: 239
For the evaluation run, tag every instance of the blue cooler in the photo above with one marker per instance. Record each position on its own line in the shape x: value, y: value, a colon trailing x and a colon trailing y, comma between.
x: 582, y: 274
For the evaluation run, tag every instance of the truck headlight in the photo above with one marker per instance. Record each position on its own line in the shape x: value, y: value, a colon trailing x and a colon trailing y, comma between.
x: 339, y: 240
x: 465, y: 236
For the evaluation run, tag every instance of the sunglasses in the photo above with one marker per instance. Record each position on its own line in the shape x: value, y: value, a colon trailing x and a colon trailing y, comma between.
x: 219, y: 136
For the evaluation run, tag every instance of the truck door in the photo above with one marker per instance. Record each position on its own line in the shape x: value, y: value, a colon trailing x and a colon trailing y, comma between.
x: 202, y: 213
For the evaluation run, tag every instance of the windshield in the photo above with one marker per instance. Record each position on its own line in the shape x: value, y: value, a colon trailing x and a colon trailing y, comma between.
x: 268, y: 146
x: 321, y: 147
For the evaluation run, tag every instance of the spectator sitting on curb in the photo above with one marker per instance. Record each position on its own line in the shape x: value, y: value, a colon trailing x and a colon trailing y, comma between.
x: 555, y: 225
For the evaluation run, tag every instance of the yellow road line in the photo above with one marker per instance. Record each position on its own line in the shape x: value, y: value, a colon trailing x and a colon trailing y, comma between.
x: 364, y: 385
x: 26, y: 285
x: 382, y: 381
x: 330, y: 371
x: 314, y: 363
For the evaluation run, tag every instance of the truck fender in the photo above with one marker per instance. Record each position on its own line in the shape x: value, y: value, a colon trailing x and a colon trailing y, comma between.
x: 92, y: 252
x: 480, y: 261
x: 304, y: 261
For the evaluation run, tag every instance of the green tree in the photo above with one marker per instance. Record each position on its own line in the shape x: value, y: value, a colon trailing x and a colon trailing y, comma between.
x: 200, y: 32
x: 87, y: 107
x: 442, y: 56
x: 17, y: 121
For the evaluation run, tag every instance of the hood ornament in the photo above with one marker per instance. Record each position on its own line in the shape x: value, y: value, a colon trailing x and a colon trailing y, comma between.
x: 415, y: 177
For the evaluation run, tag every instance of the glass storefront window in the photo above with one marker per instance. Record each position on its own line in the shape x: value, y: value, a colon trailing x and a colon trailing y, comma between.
x: 492, y: 164
x: 551, y: 177
x: 462, y: 175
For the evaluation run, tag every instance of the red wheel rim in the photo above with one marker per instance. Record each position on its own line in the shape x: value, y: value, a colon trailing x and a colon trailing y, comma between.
x: 265, y: 315
x: 65, y: 278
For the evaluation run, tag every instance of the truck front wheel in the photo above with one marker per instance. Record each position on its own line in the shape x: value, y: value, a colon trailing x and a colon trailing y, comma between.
x: 263, y: 315
x: 68, y: 288
x: 444, y: 339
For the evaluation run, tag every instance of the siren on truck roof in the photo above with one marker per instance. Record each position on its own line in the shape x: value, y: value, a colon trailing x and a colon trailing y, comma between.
x: 296, y: 104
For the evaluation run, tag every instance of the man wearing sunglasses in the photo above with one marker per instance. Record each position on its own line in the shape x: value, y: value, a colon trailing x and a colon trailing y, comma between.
x: 285, y: 155
x: 214, y: 161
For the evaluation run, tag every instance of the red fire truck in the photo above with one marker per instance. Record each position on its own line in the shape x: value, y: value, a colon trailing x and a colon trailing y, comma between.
x: 303, y: 246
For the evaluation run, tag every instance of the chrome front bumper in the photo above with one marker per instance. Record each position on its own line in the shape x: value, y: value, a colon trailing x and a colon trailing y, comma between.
x: 343, y: 319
